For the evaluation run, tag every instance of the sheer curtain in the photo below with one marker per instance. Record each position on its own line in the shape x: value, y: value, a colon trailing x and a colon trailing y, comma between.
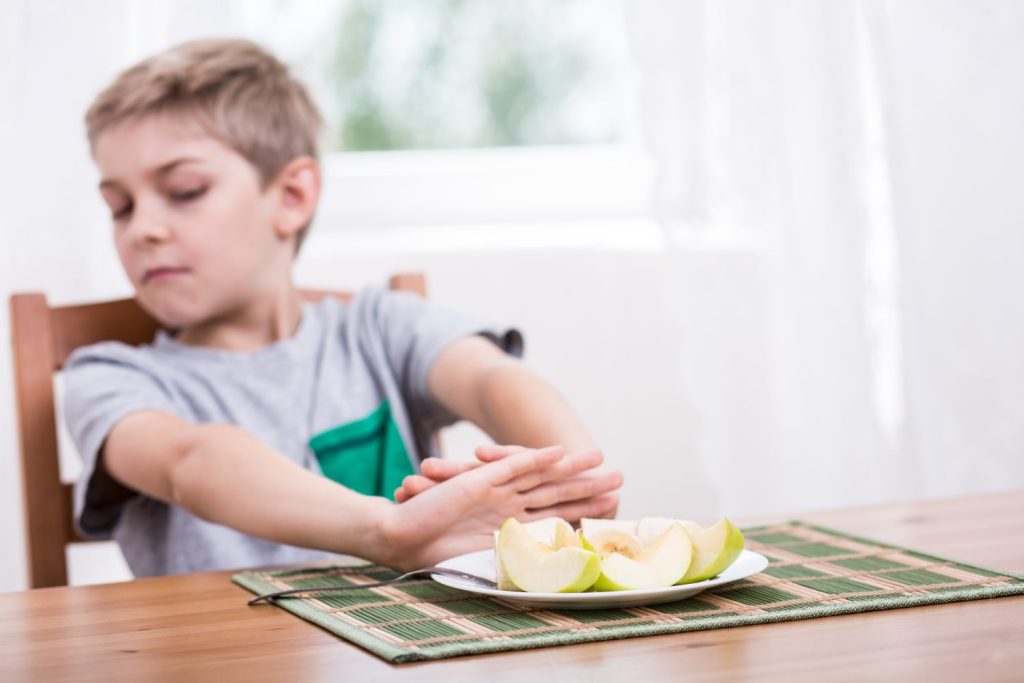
x: 840, y: 188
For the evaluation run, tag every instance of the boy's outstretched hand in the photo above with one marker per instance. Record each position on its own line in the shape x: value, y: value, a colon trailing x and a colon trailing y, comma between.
x: 459, y: 514
x: 436, y: 470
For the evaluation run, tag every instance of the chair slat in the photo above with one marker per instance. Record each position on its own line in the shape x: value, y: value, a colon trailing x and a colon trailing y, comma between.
x: 45, y: 512
x: 85, y: 324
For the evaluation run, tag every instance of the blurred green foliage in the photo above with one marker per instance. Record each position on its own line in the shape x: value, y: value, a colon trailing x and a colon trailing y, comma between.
x: 449, y: 74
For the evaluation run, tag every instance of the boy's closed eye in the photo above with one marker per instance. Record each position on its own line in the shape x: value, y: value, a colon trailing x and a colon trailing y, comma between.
x: 119, y: 203
x: 182, y: 184
x: 187, y: 195
x: 121, y: 208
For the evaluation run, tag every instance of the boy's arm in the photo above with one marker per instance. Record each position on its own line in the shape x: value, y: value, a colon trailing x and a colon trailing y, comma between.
x: 225, y: 475
x: 475, y: 380
x: 221, y: 473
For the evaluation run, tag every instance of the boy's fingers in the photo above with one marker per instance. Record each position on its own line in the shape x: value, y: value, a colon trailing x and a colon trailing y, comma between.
x: 563, y: 469
x: 400, y: 495
x: 440, y: 469
x: 513, y: 467
x: 492, y: 452
x: 585, y: 460
x: 539, y: 466
x: 575, y: 488
x: 573, y: 511
x: 415, y: 484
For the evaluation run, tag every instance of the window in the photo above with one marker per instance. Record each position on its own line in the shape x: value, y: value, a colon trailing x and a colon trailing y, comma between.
x: 448, y: 112
x: 455, y: 74
x: 455, y: 112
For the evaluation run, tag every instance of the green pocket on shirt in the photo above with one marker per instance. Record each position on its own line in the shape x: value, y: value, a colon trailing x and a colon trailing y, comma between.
x: 367, y: 455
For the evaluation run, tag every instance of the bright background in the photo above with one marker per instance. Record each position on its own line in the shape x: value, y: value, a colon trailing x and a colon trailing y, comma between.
x: 771, y: 251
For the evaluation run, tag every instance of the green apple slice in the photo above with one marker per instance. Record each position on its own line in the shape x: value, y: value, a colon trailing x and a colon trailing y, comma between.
x: 536, y: 567
x: 658, y: 565
x: 544, y: 530
x: 715, y: 548
x: 504, y: 583
x: 608, y: 541
x: 551, y: 530
x: 591, y: 527
x: 650, y: 528
x: 565, y: 536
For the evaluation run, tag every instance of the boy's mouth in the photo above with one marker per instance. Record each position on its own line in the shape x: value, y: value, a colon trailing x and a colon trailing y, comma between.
x: 161, y: 274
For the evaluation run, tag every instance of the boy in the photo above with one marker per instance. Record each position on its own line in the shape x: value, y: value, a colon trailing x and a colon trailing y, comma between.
x: 256, y: 429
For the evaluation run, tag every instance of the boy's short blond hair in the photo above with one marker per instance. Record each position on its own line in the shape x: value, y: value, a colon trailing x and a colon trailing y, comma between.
x: 237, y: 91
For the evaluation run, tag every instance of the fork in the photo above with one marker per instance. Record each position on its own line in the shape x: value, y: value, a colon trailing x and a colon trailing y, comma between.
x: 472, y: 578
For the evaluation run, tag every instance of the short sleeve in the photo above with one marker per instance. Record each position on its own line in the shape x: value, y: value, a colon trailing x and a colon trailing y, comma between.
x: 103, y: 384
x: 415, y: 331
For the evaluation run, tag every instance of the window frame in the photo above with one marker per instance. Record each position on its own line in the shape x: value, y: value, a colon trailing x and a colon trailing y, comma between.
x: 365, y: 191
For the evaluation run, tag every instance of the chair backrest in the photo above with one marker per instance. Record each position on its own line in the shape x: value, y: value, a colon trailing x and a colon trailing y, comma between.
x: 43, y: 337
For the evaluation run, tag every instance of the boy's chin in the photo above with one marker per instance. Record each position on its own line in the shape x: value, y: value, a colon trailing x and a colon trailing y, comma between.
x: 171, y: 317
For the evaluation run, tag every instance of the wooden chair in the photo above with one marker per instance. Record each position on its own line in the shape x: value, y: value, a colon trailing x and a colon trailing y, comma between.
x: 43, y: 338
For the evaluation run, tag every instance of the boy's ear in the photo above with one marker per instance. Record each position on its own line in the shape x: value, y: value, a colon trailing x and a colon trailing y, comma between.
x: 298, y: 188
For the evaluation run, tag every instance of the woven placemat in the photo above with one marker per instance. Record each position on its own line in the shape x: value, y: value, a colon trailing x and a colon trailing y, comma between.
x: 813, y: 572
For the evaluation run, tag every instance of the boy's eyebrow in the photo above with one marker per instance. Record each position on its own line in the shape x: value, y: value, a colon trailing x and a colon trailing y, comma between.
x: 164, y: 169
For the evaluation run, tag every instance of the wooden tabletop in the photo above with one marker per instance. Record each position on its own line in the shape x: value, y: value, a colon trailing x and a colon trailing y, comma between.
x: 196, y: 627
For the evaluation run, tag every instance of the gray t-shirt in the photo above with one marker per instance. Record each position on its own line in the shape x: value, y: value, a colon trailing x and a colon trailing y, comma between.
x: 345, y: 396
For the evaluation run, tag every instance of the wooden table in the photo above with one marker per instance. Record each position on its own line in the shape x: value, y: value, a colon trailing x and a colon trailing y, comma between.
x: 198, y: 627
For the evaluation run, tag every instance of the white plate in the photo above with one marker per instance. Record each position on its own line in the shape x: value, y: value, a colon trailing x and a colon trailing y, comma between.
x: 481, y: 563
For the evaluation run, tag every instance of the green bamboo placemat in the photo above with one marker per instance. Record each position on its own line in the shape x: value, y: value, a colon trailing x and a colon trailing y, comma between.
x: 813, y: 572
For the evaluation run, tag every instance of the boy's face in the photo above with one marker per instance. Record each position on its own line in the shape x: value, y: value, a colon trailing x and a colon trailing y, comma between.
x: 193, y: 228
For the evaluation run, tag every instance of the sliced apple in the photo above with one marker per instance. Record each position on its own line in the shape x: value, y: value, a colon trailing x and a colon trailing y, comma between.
x: 554, y: 531
x: 591, y: 527
x: 544, y: 530
x: 536, y: 567
x: 649, y: 529
x: 565, y: 536
x: 504, y: 583
x: 657, y: 565
x: 715, y: 548
x: 608, y: 541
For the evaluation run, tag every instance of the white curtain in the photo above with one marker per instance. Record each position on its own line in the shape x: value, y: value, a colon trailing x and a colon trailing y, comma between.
x: 841, y: 186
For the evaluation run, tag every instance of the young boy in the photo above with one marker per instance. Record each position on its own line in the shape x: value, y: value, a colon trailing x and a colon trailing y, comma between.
x: 257, y: 429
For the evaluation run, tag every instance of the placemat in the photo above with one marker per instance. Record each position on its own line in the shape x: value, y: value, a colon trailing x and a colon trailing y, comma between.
x: 813, y: 572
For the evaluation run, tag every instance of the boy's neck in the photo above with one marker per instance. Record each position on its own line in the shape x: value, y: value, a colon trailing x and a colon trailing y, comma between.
x: 260, y: 323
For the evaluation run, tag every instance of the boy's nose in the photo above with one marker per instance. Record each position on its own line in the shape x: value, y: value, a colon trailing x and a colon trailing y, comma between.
x: 149, y: 230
